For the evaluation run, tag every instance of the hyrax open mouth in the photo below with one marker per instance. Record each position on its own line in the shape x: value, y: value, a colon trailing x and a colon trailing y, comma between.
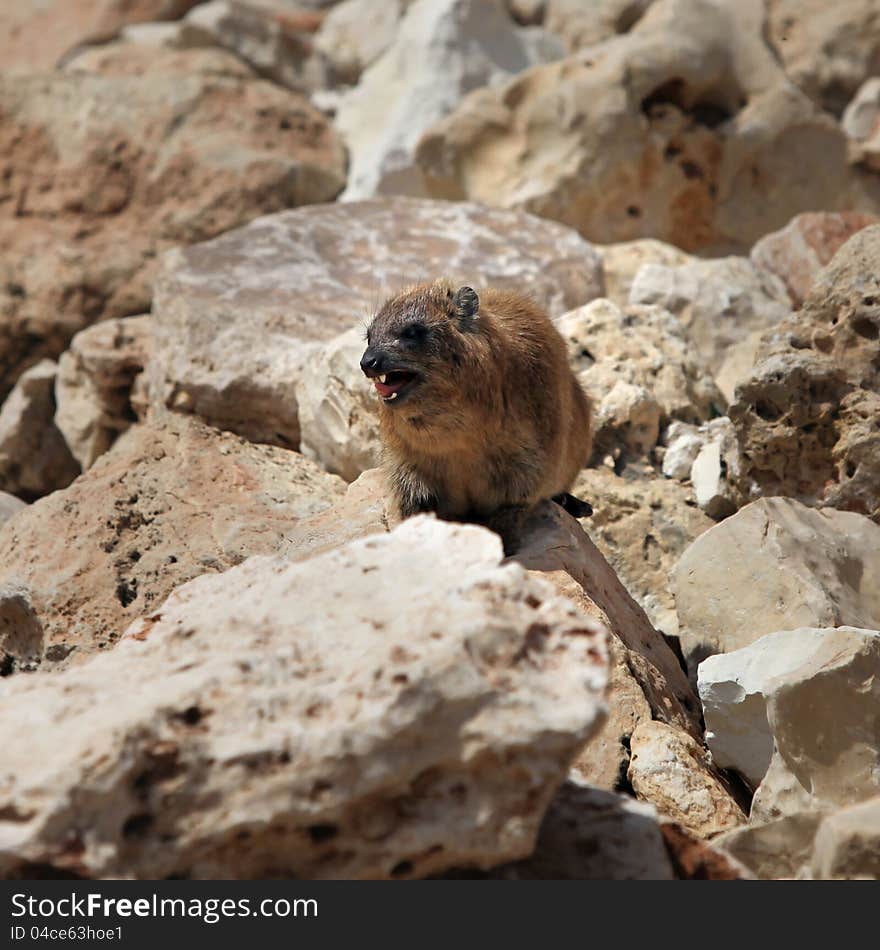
x: 393, y: 384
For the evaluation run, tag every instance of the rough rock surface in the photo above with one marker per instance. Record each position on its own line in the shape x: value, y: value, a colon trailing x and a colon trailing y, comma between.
x: 645, y: 348
x: 107, y: 171
x: 132, y: 56
x: 238, y: 318
x: 169, y: 501
x: 806, y: 417
x: 377, y: 747
x: 720, y: 302
x: 34, y: 459
x: 828, y: 49
x: 338, y: 409
x: 583, y: 24
x: 93, y: 390
x: 776, y: 565
x: 621, y: 262
x: 443, y: 49
x: 797, y: 252
x: 642, y: 524
x: 693, y: 136
x: 847, y: 844
x: 275, y: 45
x: 672, y: 771
x: 35, y: 35
x: 824, y: 721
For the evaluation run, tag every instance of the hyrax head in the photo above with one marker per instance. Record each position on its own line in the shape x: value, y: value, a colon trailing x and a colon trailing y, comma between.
x: 417, y: 341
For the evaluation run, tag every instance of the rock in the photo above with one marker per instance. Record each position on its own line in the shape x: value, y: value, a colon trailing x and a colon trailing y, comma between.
x: 443, y: 49
x: 34, y: 459
x: 805, y: 416
x: 35, y: 35
x: 134, y: 57
x: 621, y: 262
x: 370, y: 751
x: 697, y: 860
x: 93, y: 390
x: 775, y: 849
x: 273, y: 46
x: 694, y: 137
x: 355, y: 33
x: 683, y: 444
x: 672, y: 771
x: 237, y: 319
x: 643, y: 347
x: 642, y: 524
x: 338, y: 415
x: 589, y: 834
x: 583, y: 24
x: 776, y: 565
x: 9, y: 506
x: 107, y: 171
x: 847, y: 845
x: 738, y: 364
x: 720, y: 302
x: 797, y: 252
x: 861, y: 117
x: 827, y: 49
x: 21, y: 633
x: 549, y: 541
x: 527, y: 12
x: 168, y: 502
x: 823, y: 718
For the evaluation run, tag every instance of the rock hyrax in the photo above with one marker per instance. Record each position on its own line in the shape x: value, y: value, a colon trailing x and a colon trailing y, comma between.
x: 479, y: 409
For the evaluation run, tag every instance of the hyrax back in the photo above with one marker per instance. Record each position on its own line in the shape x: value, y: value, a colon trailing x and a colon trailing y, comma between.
x: 479, y: 409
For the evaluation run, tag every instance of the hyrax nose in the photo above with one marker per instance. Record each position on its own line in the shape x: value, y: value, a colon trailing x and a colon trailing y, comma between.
x: 371, y: 361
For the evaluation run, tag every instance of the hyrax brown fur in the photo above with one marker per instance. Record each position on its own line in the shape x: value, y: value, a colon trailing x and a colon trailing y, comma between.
x: 479, y: 408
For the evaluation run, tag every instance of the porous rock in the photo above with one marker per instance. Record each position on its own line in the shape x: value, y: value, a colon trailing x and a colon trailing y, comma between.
x: 776, y: 565
x: 376, y: 746
x: 806, y: 416
x: 237, y: 319
x: 171, y: 500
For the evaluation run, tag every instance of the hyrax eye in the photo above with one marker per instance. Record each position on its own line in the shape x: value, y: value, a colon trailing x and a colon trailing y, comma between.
x: 413, y: 332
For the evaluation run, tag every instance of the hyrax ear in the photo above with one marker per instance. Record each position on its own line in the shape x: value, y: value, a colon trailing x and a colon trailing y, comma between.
x: 466, y: 306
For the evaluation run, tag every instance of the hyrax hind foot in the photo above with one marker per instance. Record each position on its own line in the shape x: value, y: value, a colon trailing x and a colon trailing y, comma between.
x: 576, y: 507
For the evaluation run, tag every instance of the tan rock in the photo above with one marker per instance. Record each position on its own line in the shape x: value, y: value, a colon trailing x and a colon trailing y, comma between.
x: 804, y: 417
x: 93, y: 390
x: 695, y: 859
x: 643, y: 347
x: 34, y: 459
x: 860, y: 118
x: 275, y: 740
x: 355, y: 33
x: 720, y: 302
x: 642, y: 524
x: 34, y: 36
x: 237, y: 319
x: 274, y: 45
x: 823, y: 719
x: 168, y: 502
x: 621, y: 262
x: 692, y: 136
x: 107, y: 171
x: 672, y: 771
x: 21, y: 633
x: 442, y: 50
x: 583, y: 24
x: 131, y: 56
x: 797, y: 252
x: 773, y: 850
x: 828, y: 49
x: 776, y: 565
x: 847, y: 845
